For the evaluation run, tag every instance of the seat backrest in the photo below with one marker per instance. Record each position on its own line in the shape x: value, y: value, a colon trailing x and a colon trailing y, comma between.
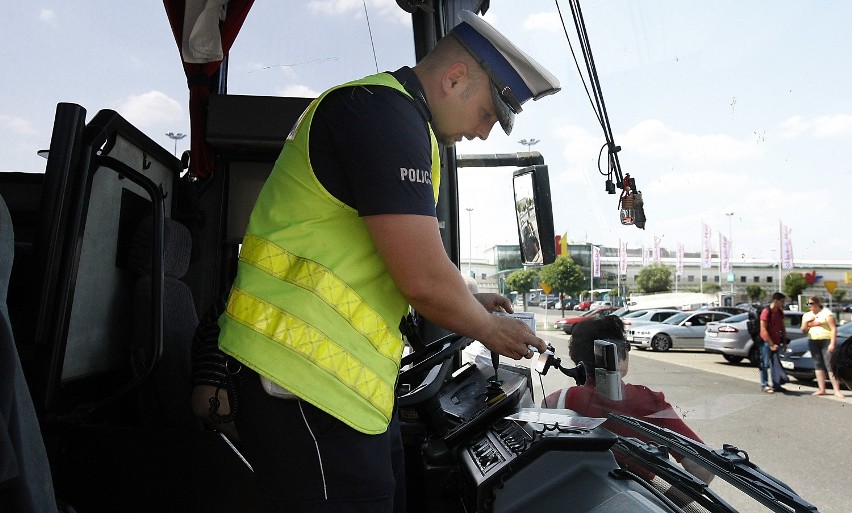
x: 25, y: 480
x: 165, y: 398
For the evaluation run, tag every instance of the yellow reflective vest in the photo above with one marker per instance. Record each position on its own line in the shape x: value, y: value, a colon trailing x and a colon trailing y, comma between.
x: 313, y: 307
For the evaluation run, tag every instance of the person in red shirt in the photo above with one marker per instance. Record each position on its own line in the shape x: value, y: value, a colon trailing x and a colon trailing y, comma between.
x: 638, y: 401
x: 773, y: 336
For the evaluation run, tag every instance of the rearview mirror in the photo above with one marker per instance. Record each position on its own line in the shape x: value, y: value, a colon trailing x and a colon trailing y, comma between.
x: 534, y: 215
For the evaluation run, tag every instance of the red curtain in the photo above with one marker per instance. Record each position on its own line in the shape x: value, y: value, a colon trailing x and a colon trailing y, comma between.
x: 199, y: 78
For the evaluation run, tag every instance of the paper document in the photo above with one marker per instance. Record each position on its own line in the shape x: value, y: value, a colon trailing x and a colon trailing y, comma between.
x: 548, y: 417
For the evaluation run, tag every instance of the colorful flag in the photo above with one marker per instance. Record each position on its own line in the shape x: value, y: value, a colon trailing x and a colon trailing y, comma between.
x: 786, y: 247
x: 724, y: 254
x: 645, y: 256
x: 706, y: 248
x: 679, y: 267
x: 562, y: 244
x: 622, y: 257
x: 596, y: 261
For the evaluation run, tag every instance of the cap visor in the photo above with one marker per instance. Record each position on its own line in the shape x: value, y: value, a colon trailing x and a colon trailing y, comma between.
x: 504, y: 112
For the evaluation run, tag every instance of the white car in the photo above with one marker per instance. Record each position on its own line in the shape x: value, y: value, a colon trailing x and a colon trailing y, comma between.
x: 599, y: 304
x: 684, y: 329
x: 640, y: 317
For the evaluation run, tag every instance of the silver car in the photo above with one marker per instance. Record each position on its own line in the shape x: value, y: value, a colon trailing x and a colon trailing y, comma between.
x: 731, y: 339
x: 684, y: 329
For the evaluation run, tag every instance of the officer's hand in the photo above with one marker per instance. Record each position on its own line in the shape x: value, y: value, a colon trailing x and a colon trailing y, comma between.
x: 495, y: 302
x: 510, y: 337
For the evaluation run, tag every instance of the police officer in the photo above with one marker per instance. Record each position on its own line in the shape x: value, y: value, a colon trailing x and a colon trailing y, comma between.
x: 342, y: 239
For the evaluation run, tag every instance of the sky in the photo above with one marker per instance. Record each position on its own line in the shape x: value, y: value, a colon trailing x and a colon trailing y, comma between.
x: 740, y: 108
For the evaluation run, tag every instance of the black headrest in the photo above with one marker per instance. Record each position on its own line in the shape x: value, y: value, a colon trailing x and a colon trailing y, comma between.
x: 177, y: 248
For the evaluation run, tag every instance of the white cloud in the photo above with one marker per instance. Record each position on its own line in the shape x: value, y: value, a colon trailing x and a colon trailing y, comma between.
x: 820, y: 126
x: 543, y: 21
x: 150, y: 108
x: 47, y: 16
x: 18, y: 125
x: 653, y: 138
x: 386, y: 9
x: 298, y: 91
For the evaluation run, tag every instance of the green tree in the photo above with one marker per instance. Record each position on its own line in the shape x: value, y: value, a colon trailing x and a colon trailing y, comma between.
x: 523, y: 281
x: 754, y: 293
x: 794, y: 284
x: 563, y: 275
x: 712, y: 288
x: 654, y: 278
x: 839, y: 294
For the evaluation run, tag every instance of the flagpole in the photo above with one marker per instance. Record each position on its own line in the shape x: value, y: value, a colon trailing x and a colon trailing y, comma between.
x: 780, y: 251
x: 591, y: 272
x: 701, y: 261
x: 618, y: 281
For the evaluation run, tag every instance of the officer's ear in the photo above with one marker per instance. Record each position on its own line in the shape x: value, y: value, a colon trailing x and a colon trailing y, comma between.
x: 454, y: 75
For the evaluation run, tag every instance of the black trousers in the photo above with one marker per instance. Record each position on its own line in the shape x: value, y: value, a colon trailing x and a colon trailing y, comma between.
x: 306, y: 460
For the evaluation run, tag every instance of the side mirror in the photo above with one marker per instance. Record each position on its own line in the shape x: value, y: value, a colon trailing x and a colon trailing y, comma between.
x: 534, y: 215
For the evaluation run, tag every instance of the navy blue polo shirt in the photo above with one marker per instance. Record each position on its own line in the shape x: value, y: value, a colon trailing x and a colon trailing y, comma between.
x: 364, y: 141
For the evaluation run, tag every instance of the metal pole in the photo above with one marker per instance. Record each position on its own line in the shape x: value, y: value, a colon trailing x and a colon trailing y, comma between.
x: 731, y: 252
x: 175, y: 137
x: 780, y: 251
x: 469, y: 243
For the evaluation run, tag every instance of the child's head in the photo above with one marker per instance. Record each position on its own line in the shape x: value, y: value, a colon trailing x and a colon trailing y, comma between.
x: 582, y: 346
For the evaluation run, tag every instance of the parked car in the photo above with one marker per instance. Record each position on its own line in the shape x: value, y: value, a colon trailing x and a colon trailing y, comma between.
x: 548, y: 301
x: 569, y: 304
x: 683, y: 329
x: 730, y: 338
x: 733, y: 310
x: 640, y: 317
x: 566, y: 324
x: 599, y: 304
x: 583, y: 306
x: 797, y: 359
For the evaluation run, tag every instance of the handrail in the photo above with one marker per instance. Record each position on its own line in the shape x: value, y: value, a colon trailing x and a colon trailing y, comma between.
x: 157, y: 275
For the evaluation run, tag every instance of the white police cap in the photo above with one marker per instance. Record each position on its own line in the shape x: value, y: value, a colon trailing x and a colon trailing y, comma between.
x: 515, y: 76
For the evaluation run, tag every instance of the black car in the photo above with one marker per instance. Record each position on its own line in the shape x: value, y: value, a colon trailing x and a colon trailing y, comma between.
x: 797, y: 360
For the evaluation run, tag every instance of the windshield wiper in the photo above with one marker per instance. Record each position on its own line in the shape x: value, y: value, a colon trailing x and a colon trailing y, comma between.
x: 656, y: 458
x: 729, y: 463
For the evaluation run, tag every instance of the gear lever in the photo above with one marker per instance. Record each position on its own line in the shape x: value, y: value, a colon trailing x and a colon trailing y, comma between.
x: 495, y: 386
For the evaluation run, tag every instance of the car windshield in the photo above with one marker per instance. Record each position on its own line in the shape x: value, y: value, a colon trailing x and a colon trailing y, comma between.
x: 677, y: 318
x: 701, y: 97
x: 632, y: 315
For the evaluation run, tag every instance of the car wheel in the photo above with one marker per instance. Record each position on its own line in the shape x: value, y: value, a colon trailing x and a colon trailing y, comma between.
x: 661, y: 342
x: 733, y: 359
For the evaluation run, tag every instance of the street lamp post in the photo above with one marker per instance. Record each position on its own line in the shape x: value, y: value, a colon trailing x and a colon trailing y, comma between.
x: 469, y: 243
x: 529, y: 143
x: 730, y: 251
x: 176, y: 137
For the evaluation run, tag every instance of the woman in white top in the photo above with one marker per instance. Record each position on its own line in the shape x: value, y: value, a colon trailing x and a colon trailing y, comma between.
x: 821, y: 328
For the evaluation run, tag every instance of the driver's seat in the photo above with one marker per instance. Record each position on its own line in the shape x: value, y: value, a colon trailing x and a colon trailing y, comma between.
x: 26, y: 484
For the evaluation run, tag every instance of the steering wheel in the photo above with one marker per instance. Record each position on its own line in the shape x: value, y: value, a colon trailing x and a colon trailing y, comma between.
x: 435, y: 353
